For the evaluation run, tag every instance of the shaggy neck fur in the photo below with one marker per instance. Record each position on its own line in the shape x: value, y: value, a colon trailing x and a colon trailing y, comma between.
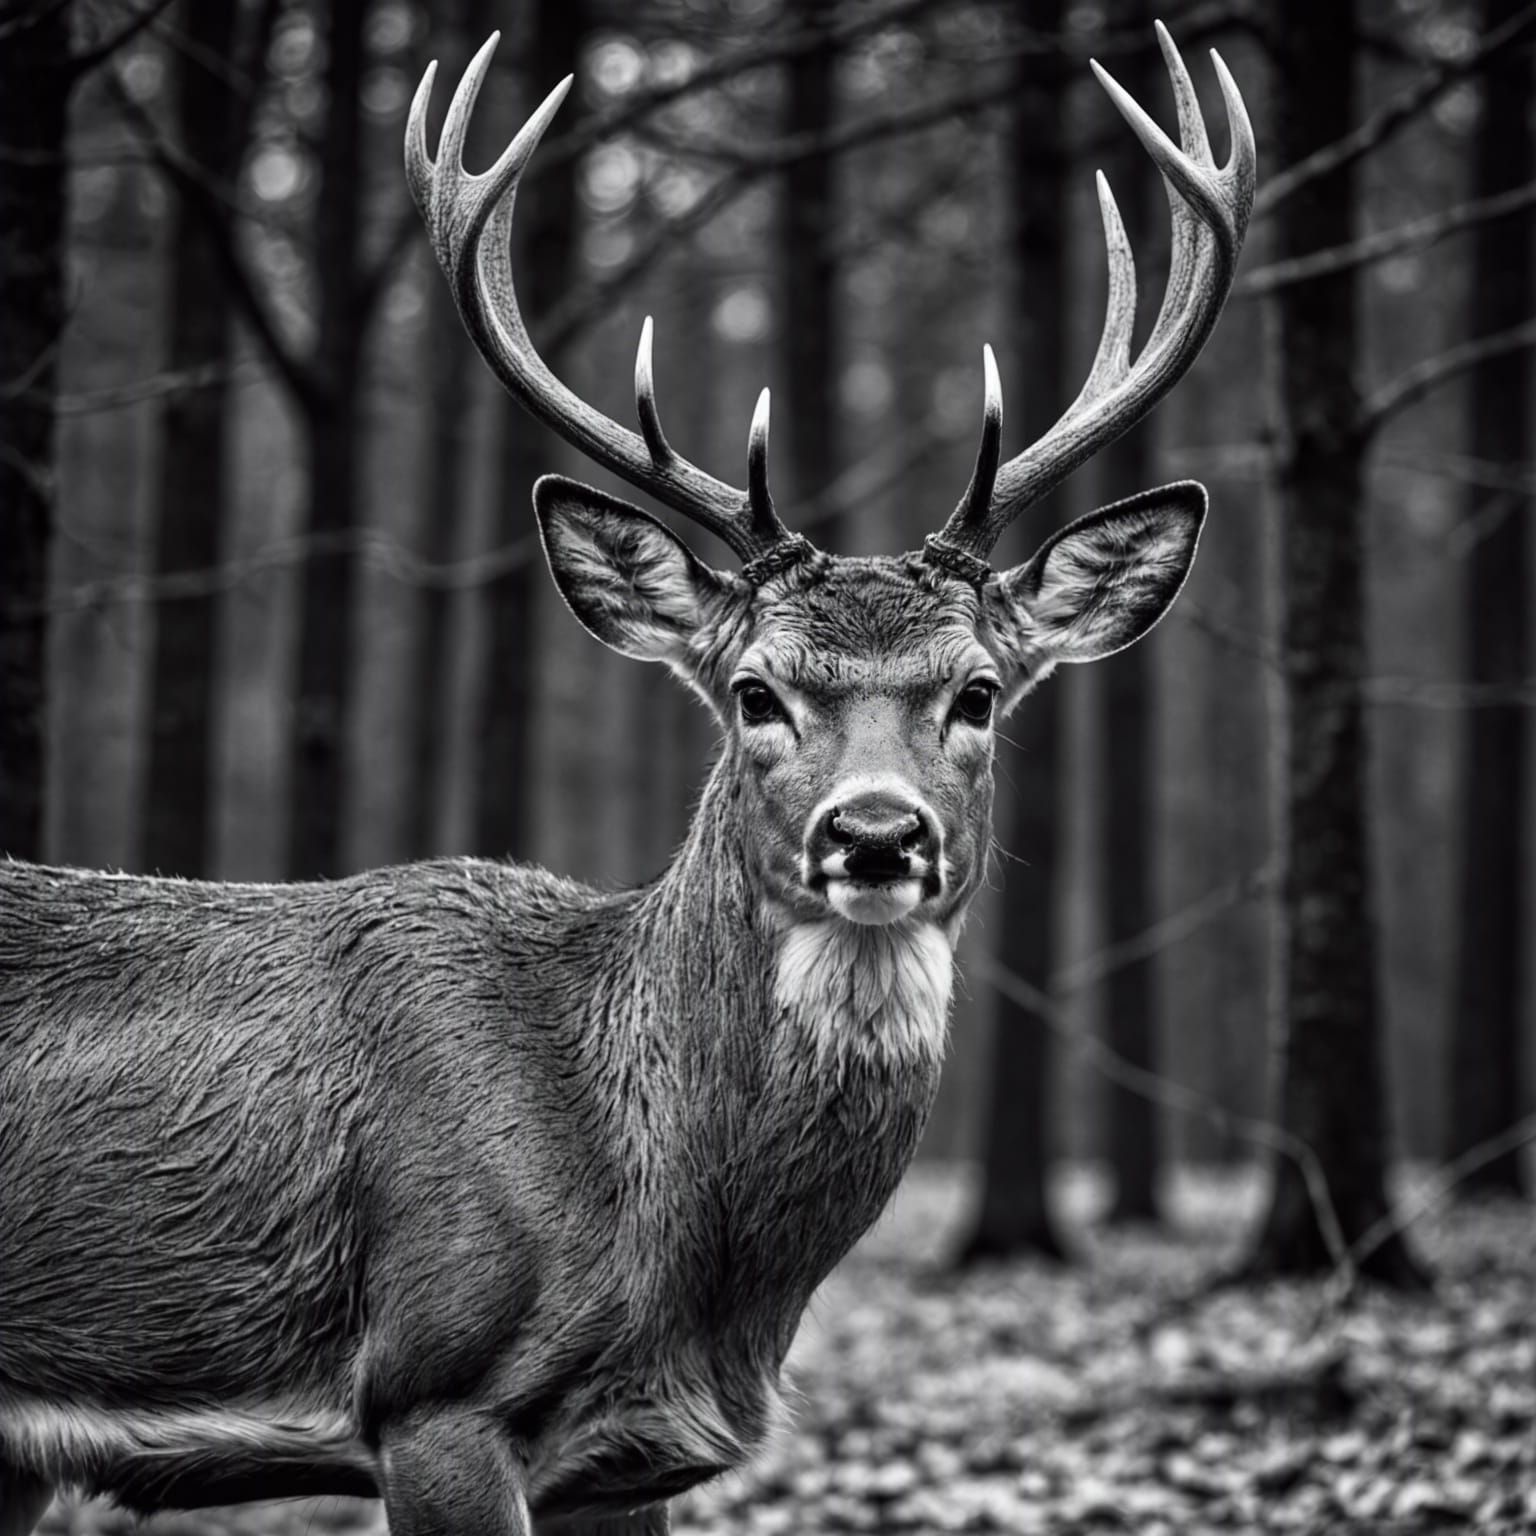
x: 797, y: 1063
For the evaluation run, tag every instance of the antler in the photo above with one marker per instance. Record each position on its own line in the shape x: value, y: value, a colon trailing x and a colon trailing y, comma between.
x: 1210, y: 208
x: 469, y: 220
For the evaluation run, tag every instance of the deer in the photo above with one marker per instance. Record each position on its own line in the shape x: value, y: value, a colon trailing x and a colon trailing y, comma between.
x: 492, y: 1195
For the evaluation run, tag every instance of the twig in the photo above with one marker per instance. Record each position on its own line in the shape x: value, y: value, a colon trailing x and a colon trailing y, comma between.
x: 1417, y: 235
x: 1412, y: 385
x: 1424, y: 693
x: 1465, y: 469
x: 160, y: 386
x: 375, y: 277
x: 33, y: 18
x: 1165, y: 933
x: 793, y: 149
x: 1180, y: 1097
x: 298, y: 373
x: 83, y: 63
x: 580, y: 308
x: 1441, y: 1185
x: 1391, y: 118
x: 379, y: 552
x: 641, y: 105
x: 20, y: 387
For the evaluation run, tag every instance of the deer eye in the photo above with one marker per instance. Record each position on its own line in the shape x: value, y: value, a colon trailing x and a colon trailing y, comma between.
x: 973, y: 704
x: 757, y: 703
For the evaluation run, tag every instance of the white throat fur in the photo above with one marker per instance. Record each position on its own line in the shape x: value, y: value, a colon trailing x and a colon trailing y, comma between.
x: 880, y: 992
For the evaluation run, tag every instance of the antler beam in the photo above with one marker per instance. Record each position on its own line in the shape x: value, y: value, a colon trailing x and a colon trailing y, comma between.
x: 469, y: 220
x: 1209, y: 206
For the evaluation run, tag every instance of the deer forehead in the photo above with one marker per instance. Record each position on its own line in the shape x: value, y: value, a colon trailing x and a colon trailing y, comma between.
x: 865, y: 626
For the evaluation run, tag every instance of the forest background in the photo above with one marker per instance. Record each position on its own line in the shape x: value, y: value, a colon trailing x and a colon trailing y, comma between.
x: 271, y: 604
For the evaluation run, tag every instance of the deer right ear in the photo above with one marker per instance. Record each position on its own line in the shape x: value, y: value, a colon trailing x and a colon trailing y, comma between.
x: 1102, y: 582
x: 630, y: 580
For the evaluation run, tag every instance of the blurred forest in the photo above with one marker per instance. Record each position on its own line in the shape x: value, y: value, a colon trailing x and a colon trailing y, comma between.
x: 272, y: 606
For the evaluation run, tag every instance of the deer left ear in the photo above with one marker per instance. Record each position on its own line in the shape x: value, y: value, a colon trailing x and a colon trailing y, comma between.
x: 1105, y: 580
x: 630, y: 580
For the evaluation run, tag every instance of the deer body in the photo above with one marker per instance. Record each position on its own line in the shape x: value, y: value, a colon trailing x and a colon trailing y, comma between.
x: 493, y: 1194
x: 400, y: 1100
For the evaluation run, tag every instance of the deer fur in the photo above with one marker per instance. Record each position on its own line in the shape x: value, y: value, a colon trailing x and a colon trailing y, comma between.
x: 497, y: 1195
x: 284, y: 1168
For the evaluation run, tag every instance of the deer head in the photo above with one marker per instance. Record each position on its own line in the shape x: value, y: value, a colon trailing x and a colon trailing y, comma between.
x: 858, y: 696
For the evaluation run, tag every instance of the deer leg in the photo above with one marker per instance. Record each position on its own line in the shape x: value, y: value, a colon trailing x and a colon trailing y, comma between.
x: 23, y: 1498
x: 451, y: 1473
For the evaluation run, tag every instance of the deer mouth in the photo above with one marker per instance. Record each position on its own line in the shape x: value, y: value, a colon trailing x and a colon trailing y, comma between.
x: 873, y: 903
x: 874, y: 885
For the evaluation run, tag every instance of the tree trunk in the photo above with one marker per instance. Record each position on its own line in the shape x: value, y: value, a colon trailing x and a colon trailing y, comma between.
x: 1332, y: 1089
x: 192, y: 462
x: 1126, y: 782
x: 808, y: 313
x: 545, y: 234
x: 1486, y: 1055
x: 318, y: 751
x: 1014, y: 1216
x: 34, y: 90
x: 450, y: 366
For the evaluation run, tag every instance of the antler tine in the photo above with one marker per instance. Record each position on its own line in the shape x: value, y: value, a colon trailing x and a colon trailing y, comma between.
x: 656, y: 442
x: 469, y: 220
x: 1210, y: 206
x: 757, y: 465
x: 1113, y: 359
x: 978, y: 494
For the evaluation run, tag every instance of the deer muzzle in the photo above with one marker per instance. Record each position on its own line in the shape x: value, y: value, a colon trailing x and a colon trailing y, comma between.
x: 873, y: 852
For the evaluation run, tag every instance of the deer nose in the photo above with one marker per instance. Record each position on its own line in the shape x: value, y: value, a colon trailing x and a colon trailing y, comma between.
x: 880, y: 836
x: 874, y: 825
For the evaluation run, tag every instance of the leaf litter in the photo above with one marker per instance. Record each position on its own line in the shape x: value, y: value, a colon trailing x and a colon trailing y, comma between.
x: 1128, y: 1392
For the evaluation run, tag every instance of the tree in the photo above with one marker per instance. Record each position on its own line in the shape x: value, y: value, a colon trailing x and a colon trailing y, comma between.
x: 317, y: 734
x: 809, y: 312
x: 322, y: 382
x: 450, y: 365
x: 545, y: 230
x: 213, y: 120
x: 1126, y: 775
x: 1332, y: 1095
x: 1485, y: 1028
x: 1014, y: 1216
x: 35, y: 77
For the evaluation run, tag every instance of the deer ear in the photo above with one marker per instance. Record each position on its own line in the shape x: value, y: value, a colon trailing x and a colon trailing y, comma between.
x: 1105, y: 580
x: 629, y: 579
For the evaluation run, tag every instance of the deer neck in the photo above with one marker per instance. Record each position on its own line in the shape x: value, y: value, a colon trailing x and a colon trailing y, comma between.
x: 804, y: 1057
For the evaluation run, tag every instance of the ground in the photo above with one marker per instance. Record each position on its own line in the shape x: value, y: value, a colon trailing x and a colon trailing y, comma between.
x: 1118, y: 1395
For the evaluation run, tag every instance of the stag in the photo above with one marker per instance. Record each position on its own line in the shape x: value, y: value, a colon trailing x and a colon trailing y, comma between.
x: 499, y: 1197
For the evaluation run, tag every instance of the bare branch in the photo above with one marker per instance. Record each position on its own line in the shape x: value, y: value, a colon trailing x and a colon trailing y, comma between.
x: 1417, y: 235
x: 1088, y: 972
x: 1179, y: 1097
x: 1393, y: 116
x: 375, y: 278
x: 1441, y: 1184
x: 83, y: 63
x: 20, y: 387
x: 586, y: 304
x: 33, y: 18
x: 1414, y: 383
x: 779, y: 154
x: 643, y: 104
x: 1422, y: 693
x: 845, y: 497
x: 1465, y: 469
x: 298, y: 373
x: 162, y: 386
